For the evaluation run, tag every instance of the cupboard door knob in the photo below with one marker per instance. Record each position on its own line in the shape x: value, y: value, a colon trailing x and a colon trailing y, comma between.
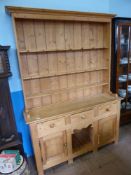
x: 52, y: 125
x: 65, y: 145
x: 107, y: 109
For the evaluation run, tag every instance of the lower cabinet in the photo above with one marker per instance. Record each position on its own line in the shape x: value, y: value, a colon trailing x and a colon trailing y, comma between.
x: 53, y: 149
x: 61, y: 139
x: 107, y: 130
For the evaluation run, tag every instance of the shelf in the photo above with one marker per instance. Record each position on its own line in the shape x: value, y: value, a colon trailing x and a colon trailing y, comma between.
x: 124, y: 81
x: 124, y: 44
x: 125, y: 117
x: 46, y: 51
x: 58, y: 91
x: 123, y: 112
x: 126, y: 106
x: 124, y: 64
x: 36, y: 76
x: 64, y: 57
x: 124, y: 78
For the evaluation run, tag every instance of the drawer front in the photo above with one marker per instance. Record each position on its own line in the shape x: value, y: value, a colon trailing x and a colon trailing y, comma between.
x: 81, y: 120
x: 49, y: 127
x: 107, y: 109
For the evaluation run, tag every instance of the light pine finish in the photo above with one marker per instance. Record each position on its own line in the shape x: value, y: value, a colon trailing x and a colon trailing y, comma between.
x: 54, y: 149
x: 66, y: 71
x: 37, y: 152
x: 46, y: 14
x: 106, y: 130
x: 64, y: 59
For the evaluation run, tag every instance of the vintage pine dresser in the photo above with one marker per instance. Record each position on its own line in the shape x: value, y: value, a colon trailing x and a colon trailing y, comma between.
x: 64, y: 60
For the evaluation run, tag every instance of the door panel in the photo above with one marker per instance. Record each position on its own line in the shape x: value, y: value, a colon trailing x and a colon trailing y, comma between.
x: 123, y: 61
x: 54, y: 149
x: 106, y: 130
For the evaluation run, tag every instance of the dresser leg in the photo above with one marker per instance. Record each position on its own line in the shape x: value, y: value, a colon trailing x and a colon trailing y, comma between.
x: 36, y: 147
x: 70, y: 161
x: 95, y: 150
x: 41, y: 173
x: 116, y: 141
x: 69, y: 146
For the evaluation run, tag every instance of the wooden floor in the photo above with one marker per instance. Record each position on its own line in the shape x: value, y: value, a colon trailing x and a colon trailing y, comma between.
x: 114, y: 159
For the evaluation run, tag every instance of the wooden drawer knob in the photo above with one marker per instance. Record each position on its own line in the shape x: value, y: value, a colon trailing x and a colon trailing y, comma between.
x: 65, y: 145
x: 52, y: 125
x: 83, y: 117
x: 107, y: 109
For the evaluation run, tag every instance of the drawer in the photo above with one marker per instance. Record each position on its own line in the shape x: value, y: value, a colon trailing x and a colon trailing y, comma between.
x: 49, y: 127
x: 81, y: 120
x: 107, y: 109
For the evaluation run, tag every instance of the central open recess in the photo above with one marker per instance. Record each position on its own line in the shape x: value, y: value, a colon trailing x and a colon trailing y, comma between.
x: 81, y: 138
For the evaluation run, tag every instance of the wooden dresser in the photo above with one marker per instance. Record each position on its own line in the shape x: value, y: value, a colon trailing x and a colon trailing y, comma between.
x: 64, y: 60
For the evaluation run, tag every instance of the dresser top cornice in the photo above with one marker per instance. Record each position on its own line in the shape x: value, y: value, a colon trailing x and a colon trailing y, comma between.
x: 38, y: 13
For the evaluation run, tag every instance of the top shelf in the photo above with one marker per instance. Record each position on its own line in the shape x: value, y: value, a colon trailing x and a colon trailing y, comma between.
x: 58, y: 50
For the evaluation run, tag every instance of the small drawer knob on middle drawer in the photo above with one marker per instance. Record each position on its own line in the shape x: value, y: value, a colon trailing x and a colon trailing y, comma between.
x: 52, y: 125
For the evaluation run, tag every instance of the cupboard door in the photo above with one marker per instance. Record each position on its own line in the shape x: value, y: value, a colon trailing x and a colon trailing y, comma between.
x: 54, y: 149
x: 106, y: 130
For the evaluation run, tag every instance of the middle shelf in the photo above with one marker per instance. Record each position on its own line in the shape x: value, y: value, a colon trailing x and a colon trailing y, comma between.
x: 58, y: 91
x: 60, y: 63
x: 36, y: 76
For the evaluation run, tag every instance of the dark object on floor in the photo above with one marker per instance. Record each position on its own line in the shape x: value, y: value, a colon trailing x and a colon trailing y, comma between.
x: 8, y: 133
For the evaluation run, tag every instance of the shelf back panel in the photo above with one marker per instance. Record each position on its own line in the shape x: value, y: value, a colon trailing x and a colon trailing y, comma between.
x: 40, y: 35
x: 62, y: 60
